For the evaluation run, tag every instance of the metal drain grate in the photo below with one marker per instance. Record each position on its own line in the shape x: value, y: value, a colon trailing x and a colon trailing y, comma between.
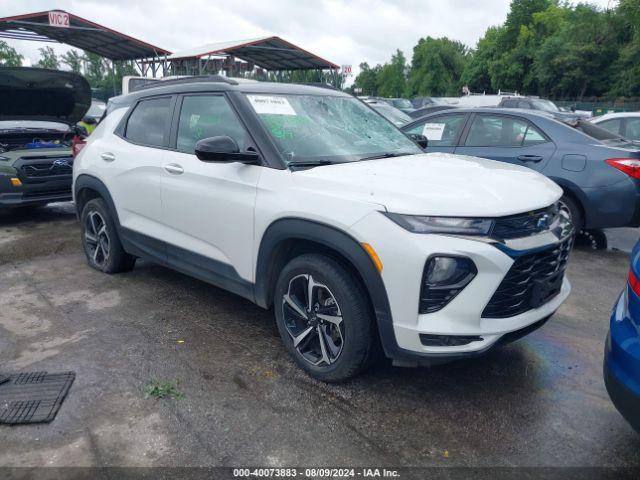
x: 33, y: 397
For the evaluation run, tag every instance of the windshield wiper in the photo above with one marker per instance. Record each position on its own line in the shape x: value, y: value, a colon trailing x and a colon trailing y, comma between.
x: 310, y: 163
x: 386, y: 155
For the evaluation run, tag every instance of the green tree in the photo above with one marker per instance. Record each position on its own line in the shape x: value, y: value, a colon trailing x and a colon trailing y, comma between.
x: 627, y: 68
x: 48, y: 59
x: 74, y: 60
x: 391, y: 79
x: 437, y: 67
x: 476, y: 74
x: 367, y: 79
x: 9, y: 57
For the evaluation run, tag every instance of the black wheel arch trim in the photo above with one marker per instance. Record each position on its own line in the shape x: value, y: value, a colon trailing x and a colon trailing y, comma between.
x: 90, y: 182
x: 344, y: 244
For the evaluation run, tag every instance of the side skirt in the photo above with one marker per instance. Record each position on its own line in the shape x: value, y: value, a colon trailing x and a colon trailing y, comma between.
x: 203, y: 268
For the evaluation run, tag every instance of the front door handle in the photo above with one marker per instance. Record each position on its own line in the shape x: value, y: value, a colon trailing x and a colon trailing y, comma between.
x: 174, y: 169
x: 530, y: 158
x: 108, y: 157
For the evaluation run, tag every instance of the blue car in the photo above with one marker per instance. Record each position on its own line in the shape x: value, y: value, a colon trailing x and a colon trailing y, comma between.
x: 598, y: 171
x: 622, y: 351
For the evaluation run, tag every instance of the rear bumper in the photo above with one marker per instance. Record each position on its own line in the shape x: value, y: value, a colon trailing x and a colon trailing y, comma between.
x: 614, y: 206
x: 621, y: 361
x: 626, y: 401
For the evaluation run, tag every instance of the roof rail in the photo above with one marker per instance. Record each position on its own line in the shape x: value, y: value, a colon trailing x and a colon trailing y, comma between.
x: 194, y: 79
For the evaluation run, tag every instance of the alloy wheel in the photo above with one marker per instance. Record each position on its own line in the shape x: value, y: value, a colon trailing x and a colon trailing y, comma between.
x: 313, y: 319
x: 96, y: 238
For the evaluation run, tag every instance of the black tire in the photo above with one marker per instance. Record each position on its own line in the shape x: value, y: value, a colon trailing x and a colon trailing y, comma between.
x: 573, y: 209
x: 113, y: 258
x: 359, y: 338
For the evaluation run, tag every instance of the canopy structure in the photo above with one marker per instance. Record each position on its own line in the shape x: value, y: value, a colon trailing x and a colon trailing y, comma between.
x: 269, y: 53
x: 63, y: 27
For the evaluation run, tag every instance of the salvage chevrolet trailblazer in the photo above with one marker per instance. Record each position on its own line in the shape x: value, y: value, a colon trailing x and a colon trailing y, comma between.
x: 305, y: 200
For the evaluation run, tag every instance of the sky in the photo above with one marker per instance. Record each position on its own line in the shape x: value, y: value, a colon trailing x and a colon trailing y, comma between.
x: 346, y: 32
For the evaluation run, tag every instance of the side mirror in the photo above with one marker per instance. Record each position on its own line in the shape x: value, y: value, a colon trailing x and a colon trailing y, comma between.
x: 421, y: 140
x: 224, y: 149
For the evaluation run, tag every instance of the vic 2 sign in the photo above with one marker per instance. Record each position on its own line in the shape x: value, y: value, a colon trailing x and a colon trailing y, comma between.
x: 59, y: 19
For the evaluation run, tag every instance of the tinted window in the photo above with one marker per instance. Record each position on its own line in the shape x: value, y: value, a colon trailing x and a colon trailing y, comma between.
x: 498, y: 131
x: 611, y: 125
x: 148, y: 122
x: 510, y: 104
x: 441, y: 131
x: 633, y: 128
x: 204, y: 116
x: 523, y: 104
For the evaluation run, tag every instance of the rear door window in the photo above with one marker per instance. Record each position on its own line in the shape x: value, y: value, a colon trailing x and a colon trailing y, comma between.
x: 502, y: 131
x: 612, y: 125
x: 149, y: 122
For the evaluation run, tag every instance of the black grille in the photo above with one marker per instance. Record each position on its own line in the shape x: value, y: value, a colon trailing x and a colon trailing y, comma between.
x: 532, y: 281
x: 524, y: 224
x: 49, y: 167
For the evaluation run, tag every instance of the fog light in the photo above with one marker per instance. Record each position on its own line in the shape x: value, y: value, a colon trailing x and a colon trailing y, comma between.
x: 16, y: 182
x: 444, y: 277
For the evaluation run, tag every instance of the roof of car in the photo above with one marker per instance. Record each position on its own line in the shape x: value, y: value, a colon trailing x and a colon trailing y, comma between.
x: 502, y: 111
x: 608, y: 116
x: 215, y: 83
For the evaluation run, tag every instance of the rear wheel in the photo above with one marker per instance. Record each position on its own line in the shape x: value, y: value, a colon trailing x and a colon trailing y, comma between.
x: 100, y: 239
x: 324, y: 318
x: 570, y: 207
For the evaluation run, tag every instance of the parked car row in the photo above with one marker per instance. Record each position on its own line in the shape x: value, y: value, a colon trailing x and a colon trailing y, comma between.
x: 598, y: 171
x: 308, y: 201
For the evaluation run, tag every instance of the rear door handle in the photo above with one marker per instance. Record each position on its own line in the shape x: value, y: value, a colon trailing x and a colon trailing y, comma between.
x: 174, y: 169
x: 530, y: 158
x: 108, y: 156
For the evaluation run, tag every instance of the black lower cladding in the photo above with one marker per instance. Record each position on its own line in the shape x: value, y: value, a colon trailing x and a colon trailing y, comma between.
x: 533, y: 280
x: 33, y: 397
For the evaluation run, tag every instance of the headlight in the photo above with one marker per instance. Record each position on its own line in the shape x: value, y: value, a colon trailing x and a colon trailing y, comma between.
x: 455, y: 225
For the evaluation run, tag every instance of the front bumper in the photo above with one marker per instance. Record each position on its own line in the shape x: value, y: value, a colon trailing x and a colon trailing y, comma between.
x: 402, y: 276
x: 37, y: 194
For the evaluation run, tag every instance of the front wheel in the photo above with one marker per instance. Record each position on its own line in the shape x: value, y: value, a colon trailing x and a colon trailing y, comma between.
x: 324, y: 318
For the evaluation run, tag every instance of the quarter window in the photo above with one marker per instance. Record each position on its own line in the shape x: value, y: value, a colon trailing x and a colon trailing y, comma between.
x: 441, y: 131
x: 149, y: 121
x: 204, y: 116
x: 502, y: 131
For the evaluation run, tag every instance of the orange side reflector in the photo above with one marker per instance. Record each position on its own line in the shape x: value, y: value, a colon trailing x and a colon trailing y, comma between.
x: 16, y: 182
x: 373, y: 255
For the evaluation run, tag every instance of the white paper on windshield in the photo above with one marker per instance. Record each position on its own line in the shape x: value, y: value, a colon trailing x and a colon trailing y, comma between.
x: 270, y: 104
x: 433, y: 131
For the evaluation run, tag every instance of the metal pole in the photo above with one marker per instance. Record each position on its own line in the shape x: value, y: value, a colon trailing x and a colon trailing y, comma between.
x: 113, y: 75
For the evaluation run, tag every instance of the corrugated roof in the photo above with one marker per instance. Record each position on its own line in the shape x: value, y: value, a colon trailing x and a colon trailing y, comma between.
x: 81, y: 33
x: 271, y: 53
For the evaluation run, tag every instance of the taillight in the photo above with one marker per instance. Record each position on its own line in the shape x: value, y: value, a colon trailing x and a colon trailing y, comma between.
x: 634, y: 283
x: 77, y: 144
x: 630, y: 166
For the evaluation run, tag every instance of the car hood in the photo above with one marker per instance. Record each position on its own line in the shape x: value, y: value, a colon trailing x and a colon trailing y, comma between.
x: 43, y: 95
x: 436, y: 184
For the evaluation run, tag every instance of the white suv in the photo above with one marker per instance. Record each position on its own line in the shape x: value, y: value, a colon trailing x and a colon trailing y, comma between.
x: 306, y: 200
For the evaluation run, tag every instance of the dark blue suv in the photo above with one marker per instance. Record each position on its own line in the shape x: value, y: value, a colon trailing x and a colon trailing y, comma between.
x: 598, y: 171
x: 622, y: 351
